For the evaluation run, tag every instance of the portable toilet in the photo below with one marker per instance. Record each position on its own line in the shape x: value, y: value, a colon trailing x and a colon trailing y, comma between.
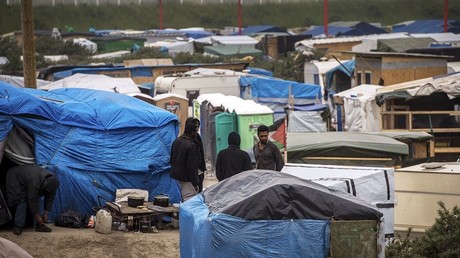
x: 175, y: 104
x: 247, y: 124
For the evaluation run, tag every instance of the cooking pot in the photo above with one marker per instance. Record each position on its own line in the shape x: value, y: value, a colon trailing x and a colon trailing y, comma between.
x: 161, y: 200
x: 134, y: 201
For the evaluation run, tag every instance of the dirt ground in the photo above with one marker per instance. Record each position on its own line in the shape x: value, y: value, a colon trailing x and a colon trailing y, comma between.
x: 67, y: 242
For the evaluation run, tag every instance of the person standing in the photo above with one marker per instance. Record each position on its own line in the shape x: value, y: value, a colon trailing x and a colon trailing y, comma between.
x: 232, y: 160
x: 25, y: 184
x: 199, y: 143
x: 184, y: 162
x: 266, y: 153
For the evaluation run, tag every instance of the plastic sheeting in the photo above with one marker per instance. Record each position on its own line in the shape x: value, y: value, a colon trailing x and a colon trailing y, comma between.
x: 374, y: 185
x: 95, y: 142
x: 362, y: 114
x: 265, y: 194
x: 275, y: 92
x: 344, y: 144
x: 301, y: 121
x: 205, y: 234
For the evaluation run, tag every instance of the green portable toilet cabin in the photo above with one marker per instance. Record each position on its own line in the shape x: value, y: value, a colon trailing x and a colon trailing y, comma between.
x: 247, y: 124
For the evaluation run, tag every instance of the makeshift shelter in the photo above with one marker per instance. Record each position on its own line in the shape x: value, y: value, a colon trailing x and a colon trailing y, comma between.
x: 276, y: 93
x: 94, y: 141
x: 350, y: 28
x: 233, y: 51
x: 261, y: 213
x: 345, y: 148
x: 427, y: 26
x: 374, y: 185
x: 360, y: 110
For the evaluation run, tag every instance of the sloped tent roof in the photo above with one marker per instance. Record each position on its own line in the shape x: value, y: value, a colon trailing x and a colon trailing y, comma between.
x: 402, y: 44
x: 274, y: 92
x: 233, y: 50
x: 269, y: 195
x: 347, y: 29
x: 291, y: 214
x: 100, y: 82
x: 343, y: 144
x: 261, y: 28
x: 95, y: 142
x: 449, y: 84
x: 428, y: 26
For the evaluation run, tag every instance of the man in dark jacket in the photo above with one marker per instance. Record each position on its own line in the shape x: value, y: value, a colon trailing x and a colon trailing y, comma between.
x: 232, y: 160
x: 199, y: 143
x: 184, y: 162
x: 266, y: 153
x: 25, y: 184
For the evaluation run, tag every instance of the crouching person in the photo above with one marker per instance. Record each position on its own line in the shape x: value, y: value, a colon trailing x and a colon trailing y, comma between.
x: 25, y: 185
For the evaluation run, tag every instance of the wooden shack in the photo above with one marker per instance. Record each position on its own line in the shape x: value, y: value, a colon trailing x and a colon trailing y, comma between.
x: 384, y: 68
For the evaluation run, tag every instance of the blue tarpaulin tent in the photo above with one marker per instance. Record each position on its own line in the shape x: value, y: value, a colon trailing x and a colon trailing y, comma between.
x: 262, y: 213
x: 94, y: 141
x: 275, y: 92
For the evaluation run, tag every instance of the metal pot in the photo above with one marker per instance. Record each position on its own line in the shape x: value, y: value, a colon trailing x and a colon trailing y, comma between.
x: 161, y: 200
x: 134, y: 201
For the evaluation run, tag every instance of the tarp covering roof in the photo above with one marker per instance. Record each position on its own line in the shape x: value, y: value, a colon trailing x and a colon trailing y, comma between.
x: 232, y: 50
x: 94, y: 141
x: 449, y: 84
x: 428, y: 26
x: 261, y: 28
x: 342, y: 144
x: 270, y: 195
x: 275, y: 92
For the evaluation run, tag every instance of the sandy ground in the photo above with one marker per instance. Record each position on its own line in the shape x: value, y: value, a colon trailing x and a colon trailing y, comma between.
x: 67, y: 242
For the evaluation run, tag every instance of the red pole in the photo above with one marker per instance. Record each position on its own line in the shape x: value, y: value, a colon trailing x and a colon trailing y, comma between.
x: 161, y: 13
x: 326, y: 10
x: 446, y: 14
x: 240, y: 17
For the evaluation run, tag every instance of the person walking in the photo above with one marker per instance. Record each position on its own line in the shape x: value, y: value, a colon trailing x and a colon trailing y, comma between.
x: 232, y: 160
x: 25, y: 184
x: 199, y: 143
x: 266, y: 153
x: 184, y: 162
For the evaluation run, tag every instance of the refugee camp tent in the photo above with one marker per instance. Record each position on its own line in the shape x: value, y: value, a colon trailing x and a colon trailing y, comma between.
x: 361, y: 112
x: 275, y: 93
x: 374, y: 185
x: 261, y: 213
x: 100, y: 82
x: 427, y: 26
x: 345, y: 148
x: 94, y: 141
x: 448, y: 84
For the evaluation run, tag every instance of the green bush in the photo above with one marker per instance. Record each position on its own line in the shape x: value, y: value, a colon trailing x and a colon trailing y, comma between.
x: 442, y: 240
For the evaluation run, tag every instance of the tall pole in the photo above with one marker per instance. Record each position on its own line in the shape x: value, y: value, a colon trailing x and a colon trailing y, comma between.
x: 28, y: 44
x: 326, y: 10
x: 240, y: 17
x: 446, y: 14
x: 161, y: 13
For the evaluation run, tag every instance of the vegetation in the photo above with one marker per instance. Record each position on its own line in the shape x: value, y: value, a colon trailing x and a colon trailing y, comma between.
x: 82, y: 17
x: 441, y: 240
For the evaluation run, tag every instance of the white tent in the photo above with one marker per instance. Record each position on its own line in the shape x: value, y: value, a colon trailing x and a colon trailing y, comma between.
x: 374, y: 185
x: 362, y: 114
x: 173, y: 47
x: 100, y: 82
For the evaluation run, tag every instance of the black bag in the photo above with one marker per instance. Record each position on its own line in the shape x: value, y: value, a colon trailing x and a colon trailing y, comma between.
x: 71, y: 219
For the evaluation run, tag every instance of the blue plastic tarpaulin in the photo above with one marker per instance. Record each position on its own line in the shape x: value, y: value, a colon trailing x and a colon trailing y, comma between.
x: 94, y: 141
